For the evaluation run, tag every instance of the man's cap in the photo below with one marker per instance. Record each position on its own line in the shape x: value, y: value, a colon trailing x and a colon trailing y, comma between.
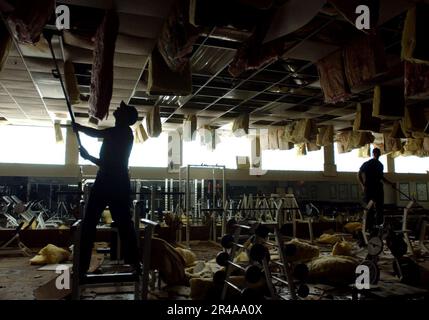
x: 131, y: 112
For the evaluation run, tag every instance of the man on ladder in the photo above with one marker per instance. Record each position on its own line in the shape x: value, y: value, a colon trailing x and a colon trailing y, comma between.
x: 371, y: 179
x: 111, y: 187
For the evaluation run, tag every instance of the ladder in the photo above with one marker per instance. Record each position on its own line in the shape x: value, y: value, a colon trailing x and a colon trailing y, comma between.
x: 139, y: 277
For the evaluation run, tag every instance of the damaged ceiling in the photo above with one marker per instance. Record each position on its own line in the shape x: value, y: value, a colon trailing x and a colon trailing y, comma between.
x: 31, y: 94
x: 276, y: 93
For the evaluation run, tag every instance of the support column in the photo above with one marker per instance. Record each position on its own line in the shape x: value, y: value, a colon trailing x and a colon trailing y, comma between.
x: 72, y: 148
x: 390, y: 164
x: 175, y: 149
x: 390, y: 195
x: 330, y: 168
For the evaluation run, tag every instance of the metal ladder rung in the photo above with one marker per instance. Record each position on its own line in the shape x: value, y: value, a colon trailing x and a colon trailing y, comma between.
x: 110, y: 278
x: 280, y: 280
x: 277, y: 263
x: 232, y: 285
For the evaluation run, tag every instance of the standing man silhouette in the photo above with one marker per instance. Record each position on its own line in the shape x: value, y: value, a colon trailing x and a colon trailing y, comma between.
x: 111, y: 187
x: 371, y: 178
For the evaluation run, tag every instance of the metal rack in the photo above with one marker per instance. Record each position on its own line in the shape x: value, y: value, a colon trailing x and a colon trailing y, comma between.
x: 185, y: 176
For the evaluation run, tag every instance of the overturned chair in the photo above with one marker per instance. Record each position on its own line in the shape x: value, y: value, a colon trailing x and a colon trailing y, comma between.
x: 139, y: 277
x: 14, y: 245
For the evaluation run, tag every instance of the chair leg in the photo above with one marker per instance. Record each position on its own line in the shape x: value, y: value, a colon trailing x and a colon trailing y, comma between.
x: 365, y: 215
x: 25, y: 250
x: 76, y: 261
x: 310, y: 231
x: 294, y: 226
x: 408, y: 242
x: 422, y: 236
x: 138, y: 286
x: 152, y: 282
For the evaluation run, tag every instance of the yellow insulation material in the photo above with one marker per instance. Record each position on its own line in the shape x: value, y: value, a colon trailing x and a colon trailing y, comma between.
x: 241, y: 257
x: 288, y: 132
x: 71, y: 82
x: 413, y: 146
x: 329, y: 238
x: 409, y: 35
x: 312, y: 147
x: 50, y: 254
x: 273, y: 141
x: 414, y: 48
x: 352, y: 227
x: 342, y: 248
x: 187, y: 255
x: 365, y: 151
x: 141, y: 135
x: 301, y: 149
x: 333, y: 270
x: 325, y: 136
x: 391, y: 145
x: 240, y: 126
x: 153, y: 122
x: 284, y: 143
x: 304, y: 131
x: 38, y: 260
x: 202, y: 269
x: 305, y: 251
x: 107, y: 217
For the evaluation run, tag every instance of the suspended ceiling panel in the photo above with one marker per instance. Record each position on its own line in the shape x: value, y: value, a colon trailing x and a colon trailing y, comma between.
x: 20, y: 102
x: 140, y: 23
x: 279, y: 92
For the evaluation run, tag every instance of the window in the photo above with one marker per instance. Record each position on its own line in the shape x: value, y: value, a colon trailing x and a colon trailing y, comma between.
x: 229, y: 147
x: 351, y: 162
x: 290, y: 161
x: 411, y: 164
x: 151, y: 153
x: 92, y: 145
x: 225, y: 153
x: 29, y: 144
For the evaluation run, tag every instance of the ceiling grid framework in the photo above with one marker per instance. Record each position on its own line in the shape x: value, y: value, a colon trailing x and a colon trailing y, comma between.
x: 20, y: 99
x: 140, y: 24
x: 277, y: 93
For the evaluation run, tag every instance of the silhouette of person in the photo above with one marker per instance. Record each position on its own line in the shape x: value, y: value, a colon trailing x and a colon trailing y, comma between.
x: 111, y: 187
x: 371, y: 178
